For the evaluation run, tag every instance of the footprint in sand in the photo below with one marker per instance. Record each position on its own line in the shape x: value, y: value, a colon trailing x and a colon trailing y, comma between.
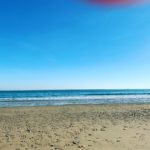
x: 94, y: 129
x: 90, y: 134
x: 117, y: 141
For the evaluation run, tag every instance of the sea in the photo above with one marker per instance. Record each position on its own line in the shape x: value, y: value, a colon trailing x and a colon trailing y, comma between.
x: 72, y: 97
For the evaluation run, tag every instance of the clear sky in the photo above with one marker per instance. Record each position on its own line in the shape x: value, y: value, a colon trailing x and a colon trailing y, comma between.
x: 68, y: 44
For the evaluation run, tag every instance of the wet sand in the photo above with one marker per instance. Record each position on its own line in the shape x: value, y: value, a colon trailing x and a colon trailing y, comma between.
x: 82, y: 127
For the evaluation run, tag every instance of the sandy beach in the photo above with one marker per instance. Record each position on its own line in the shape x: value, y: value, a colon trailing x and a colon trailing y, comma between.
x: 81, y: 127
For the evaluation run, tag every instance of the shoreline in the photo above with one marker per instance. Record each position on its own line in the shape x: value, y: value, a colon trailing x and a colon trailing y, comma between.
x: 76, y: 105
x: 73, y: 127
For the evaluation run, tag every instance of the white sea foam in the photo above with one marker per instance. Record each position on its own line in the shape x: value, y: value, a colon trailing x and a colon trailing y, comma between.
x: 97, y: 97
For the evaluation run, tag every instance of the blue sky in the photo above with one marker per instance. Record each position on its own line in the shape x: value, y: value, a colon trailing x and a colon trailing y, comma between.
x: 68, y: 44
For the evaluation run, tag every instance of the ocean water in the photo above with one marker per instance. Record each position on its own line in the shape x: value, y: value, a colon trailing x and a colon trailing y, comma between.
x: 72, y: 97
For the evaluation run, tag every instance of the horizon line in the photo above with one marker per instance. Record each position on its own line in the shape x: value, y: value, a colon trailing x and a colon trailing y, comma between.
x: 74, y: 89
